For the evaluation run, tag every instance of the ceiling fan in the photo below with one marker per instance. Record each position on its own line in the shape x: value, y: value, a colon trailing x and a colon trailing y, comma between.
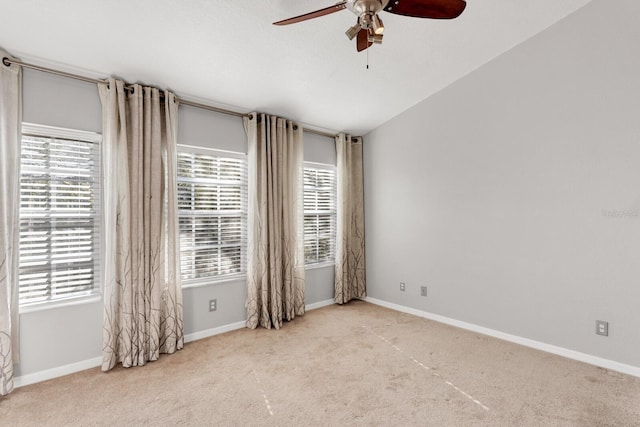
x: 369, y: 27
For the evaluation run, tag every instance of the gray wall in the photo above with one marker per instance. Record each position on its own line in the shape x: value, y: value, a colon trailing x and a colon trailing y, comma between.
x: 59, y: 336
x: 514, y: 194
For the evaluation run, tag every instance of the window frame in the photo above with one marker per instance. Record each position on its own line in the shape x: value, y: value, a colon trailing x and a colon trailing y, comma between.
x: 96, y: 293
x: 333, y: 212
x: 222, y: 278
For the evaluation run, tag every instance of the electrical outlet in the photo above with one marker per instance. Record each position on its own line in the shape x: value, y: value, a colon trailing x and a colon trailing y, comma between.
x: 213, y: 304
x: 602, y: 328
x: 423, y: 291
x: 402, y: 286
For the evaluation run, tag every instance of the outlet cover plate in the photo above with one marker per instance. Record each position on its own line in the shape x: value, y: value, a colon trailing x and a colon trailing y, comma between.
x: 423, y: 291
x: 402, y: 286
x: 602, y: 328
x: 213, y: 304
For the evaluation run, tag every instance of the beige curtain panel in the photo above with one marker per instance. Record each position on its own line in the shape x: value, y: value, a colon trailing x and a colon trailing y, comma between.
x: 275, y: 246
x: 10, y: 141
x: 143, y: 299
x: 350, y: 260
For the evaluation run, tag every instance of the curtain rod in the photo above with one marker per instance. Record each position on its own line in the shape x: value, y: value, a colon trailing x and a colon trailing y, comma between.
x: 8, y: 61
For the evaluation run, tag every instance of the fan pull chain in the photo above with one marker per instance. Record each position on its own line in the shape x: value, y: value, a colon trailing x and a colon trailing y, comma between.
x: 367, y: 59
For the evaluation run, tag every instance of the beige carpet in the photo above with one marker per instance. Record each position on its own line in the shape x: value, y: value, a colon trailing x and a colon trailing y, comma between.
x: 357, y: 364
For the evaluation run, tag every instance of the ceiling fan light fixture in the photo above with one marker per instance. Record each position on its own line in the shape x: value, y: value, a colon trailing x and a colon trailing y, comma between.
x: 366, y: 20
x: 377, y: 25
x: 369, y: 27
x: 353, y: 31
x: 375, y: 38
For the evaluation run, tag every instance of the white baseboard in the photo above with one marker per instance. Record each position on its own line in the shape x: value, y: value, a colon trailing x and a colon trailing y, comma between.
x: 239, y: 325
x: 215, y: 331
x: 320, y: 304
x: 59, y: 371
x: 560, y: 351
x: 72, y: 368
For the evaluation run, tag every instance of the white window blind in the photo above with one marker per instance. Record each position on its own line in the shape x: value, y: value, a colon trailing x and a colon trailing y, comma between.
x: 319, y: 213
x: 212, y: 209
x: 59, y: 214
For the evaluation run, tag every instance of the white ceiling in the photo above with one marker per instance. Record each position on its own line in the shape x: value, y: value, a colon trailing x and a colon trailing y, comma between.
x: 227, y: 53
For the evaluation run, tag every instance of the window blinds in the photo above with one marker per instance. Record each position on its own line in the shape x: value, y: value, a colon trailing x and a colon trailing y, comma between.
x: 59, y: 217
x: 319, y: 213
x: 212, y: 204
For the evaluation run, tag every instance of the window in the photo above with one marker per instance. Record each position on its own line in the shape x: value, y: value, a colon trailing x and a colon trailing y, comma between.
x: 212, y: 209
x: 59, y: 214
x: 319, y: 213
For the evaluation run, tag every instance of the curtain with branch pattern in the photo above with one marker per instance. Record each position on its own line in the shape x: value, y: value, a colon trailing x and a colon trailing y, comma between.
x: 350, y: 260
x: 143, y: 299
x: 275, y: 244
x: 10, y: 142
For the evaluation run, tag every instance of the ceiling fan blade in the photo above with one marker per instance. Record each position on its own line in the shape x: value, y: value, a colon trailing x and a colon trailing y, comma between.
x: 326, y: 11
x: 363, y: 40
x: 434, y: 9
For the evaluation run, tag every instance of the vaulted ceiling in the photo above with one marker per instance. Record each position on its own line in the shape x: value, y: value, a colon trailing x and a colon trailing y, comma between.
x: 228, y: 53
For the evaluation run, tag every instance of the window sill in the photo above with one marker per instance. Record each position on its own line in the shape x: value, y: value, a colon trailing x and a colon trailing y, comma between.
x: 199, y: 283
x: 319, y: 265
x: 50, y: 305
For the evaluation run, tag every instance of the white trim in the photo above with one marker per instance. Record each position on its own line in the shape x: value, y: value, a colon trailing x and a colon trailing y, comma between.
x: 94, y: 138
x: 321, y: 166
x: 213, y: 280
x: 35, y: 129
x: 320, y: 210
x: 215, y: 331
x: 72, y: 368
x: 214, y: 181
x: 59, y: 371
x: 549, y: 348
x: 320, y: 304
x: 94, y: 297
x: 242, y: 324
x: 322, y: 264
x: 184, y: 148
